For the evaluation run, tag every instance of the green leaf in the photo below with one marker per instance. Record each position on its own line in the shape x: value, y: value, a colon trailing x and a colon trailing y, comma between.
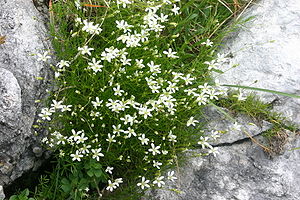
x: 13, y: 197
x: 90, y: 173
x: 263, y: 90
x: 98, y: 173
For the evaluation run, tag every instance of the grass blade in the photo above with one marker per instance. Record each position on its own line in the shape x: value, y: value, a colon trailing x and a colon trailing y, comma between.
x: 264, y: 90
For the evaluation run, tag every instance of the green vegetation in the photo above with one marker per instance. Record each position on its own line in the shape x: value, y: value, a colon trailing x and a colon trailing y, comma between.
x: 130, y: 81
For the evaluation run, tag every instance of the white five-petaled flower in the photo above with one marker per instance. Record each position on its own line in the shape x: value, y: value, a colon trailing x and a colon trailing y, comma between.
x: 159, y: 181
x: 97, y: 153
x: 63, y: 63
x: 117, y: 90
x: 207, y: 43
x: 77, y: 156
x: 213, y: 150
x: 95, y: 65
x: 175, y: 9
x: 171, y: 176
x: 123, y: 25
x: 143, y: 139
x: 43, y: 57
x: 110, y: 138
x: 203, y: 142
x: 144, y: 183
x: 109, y: 169
x: 170, y: 53
x: 212, y: 64
x: 111, y: 186
x: 154, y: 149
x: 156, y: 164
x: 97, y: 103
x: 85, y: 50
x: 91, y: 28
x: 192, y: 122
x: 154, y: 68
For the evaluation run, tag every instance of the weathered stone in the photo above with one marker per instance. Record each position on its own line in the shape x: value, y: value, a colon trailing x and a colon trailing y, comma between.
x: 2, y: 196
x: 241, y: 171
x: 267, y: 53
x: 217, y: 121
x: 26, y: 35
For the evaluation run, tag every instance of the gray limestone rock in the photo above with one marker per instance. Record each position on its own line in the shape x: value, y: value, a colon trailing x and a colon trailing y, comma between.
x: 241, y: 172
x: 2, y: 196
x: 267, y: 50
x: 26, y: 35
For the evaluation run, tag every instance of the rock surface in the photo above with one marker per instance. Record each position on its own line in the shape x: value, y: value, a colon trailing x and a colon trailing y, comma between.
x: 242, y: 170
x: 267, y: 51
x: 26, y: 35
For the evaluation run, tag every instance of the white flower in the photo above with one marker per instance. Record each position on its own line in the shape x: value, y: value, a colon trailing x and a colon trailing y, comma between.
x: 214, y: 134
x: 85, y: 149
x: 77, y: 156
x: 144, y: 183
x: 203, y: 142
x: 118, y: 91
x: 66, y: 108
x: 212, y: 64
x: 111, y: 186
x: 123, y: 25
x: 129, y: 132
x: 95, y: 65
x: 143, y: 139
x: 43, y: 57
x: 154, y: 149
x: 45, y: 114
x: 91, y: 28
x: 154, y: 68
x: 188, y: 79
x: 214, y: 151
x: 97, y: 103
x: 80, y: 139
x: 240, y: 96
x: 171, y: 176
x: 192, y: 122
x: 118, y: 181
x: 116, y: 129
x: 123, y: 2
x: 145, y: 112
x: 236, y: 127
x: 163, y: 18
x: 156, y: 164
x: 85, y: 50
x: 97, y: 153
x: 158, y: 181
x: 139, y: 63
x: 110, y: 138
x: 109, y: 169
x: 77, y: 4
x: 170, y: 53
x: 175, y: 9
x: 207, y: 43
x: 63, y: 63
x: 201, y: 98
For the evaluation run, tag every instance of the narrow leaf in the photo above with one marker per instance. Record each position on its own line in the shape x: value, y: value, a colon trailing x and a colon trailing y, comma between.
x: 264, y: 90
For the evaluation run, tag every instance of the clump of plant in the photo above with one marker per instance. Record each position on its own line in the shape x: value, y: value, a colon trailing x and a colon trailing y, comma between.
x: 128, y: 91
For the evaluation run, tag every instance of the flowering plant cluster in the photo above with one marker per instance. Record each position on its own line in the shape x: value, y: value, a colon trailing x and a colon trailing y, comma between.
x: 126, y: 101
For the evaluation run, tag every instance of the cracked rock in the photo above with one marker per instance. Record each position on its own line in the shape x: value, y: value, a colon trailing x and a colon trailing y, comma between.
x: 26, y: 35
